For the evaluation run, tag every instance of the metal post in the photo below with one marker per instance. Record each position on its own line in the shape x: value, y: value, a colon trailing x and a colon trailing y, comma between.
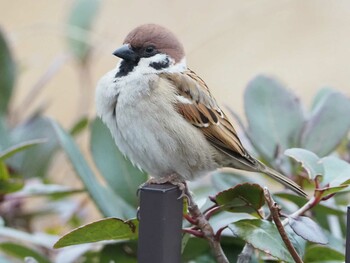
x: 347, y: 249
x: 160, y: 227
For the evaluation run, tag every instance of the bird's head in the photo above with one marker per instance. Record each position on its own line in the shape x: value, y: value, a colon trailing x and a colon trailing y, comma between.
x: 150, y: 48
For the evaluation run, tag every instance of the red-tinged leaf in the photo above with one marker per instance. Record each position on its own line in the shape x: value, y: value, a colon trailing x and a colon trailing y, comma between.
x: 246, y: 198
x: 308, y: 229
x: 308, y: 160
x: 105, y: 229
x: 263, y: 235
x: 322, y: 208
x: 322, y: 192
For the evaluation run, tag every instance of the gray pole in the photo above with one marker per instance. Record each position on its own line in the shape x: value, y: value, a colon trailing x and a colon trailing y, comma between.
x: 160, y: 229
x: 347, y: 245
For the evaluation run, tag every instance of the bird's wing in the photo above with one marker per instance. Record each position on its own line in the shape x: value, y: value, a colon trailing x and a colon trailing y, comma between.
x: 197, y: 106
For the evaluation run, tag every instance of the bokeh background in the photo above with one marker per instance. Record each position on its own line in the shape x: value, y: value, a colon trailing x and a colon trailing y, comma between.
x: 305, y: 44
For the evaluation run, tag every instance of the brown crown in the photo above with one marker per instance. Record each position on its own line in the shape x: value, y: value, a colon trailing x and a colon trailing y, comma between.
x: 163, y: 39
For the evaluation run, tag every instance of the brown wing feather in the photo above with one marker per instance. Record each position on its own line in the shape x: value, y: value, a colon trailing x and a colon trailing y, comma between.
x: 198, y: 107
x: 204, y: 113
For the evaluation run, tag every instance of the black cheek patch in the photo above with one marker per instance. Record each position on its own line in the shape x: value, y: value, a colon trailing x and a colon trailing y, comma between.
x: 160, y: 65
x: 126, y: 66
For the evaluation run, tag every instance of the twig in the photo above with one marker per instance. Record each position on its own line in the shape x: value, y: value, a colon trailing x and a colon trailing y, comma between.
x: 274, y: 208
x: 246, y: 254
x: 194, y: 232
x: 310, y: 204
x: 206, y: 229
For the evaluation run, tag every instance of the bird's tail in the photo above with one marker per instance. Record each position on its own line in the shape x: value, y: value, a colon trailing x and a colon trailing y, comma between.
x: 282, y: 179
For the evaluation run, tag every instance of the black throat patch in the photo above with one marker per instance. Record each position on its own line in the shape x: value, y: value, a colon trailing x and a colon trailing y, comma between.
x: 126, y: 66
x: 160, y: 65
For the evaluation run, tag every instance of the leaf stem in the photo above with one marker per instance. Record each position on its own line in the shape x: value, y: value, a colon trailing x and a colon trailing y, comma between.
x: 212, y: 211
x: 310, y: 204
x: 274, y: 208
x: 193, y: 232
x: 206, y: 228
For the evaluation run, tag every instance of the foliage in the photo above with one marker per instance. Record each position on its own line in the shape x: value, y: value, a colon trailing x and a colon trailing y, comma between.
x: 311, y: 147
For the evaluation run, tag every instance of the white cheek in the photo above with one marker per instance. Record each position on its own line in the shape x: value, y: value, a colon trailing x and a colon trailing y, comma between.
x: 178, y: 67
x: 144, y: 63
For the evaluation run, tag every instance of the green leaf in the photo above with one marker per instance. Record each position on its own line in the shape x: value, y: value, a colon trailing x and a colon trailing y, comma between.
x: 39, y: 239
x: 223, y: 180
x: 248, y: 198
x: 105, y: 229
x: 4, y: 173
x: 8, y: 74
x: 309, y: 161
x: 330, y: 190
x: 274, y: 116
x: 263, y: 235
x: 320, y: 96
x: 309, y: 230
x: 323, y: 254
x: 326, y: 126
x: 80, y: 22
x: 41, y: 189
x: 298, y: 242
x: 22, y: 252
x: 121, y: 175
x: 108, y: 202
x: 4, y: 133
x: 79, y: 126
x: 195, y: 249
x: 118, y: 253
x: 23, y: 162
x: 337, y: 171
x: 9, y: 183
x: 19, y: 147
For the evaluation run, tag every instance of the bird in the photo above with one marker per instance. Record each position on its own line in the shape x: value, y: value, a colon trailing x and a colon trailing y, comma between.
x: 163, y: 116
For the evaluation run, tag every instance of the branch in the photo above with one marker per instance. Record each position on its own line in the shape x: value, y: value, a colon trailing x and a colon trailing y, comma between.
x: 310, y: 204
x: 246, y: 254
x: 276, y: 218
x: 205, y: 227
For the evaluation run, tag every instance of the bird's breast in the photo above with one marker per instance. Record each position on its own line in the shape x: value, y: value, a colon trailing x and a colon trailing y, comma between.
x: 150, y: 132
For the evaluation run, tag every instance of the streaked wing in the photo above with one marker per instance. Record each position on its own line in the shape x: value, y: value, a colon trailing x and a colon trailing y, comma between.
x: 197, y: 106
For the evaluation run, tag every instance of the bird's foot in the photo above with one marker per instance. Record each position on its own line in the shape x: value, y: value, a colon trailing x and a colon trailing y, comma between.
x: 174, y: 179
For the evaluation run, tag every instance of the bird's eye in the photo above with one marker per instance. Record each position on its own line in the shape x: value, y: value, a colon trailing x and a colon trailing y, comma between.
x: 150, y: 49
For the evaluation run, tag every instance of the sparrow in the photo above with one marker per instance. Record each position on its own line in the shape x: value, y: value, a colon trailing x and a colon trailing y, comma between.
x: 162, y: 115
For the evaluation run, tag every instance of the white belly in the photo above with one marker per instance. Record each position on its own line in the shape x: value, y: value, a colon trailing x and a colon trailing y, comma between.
x: 154, y: 138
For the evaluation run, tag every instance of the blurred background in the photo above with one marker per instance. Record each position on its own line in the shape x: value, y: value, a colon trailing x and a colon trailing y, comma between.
x: 305, y: 44
x: 60, y: 50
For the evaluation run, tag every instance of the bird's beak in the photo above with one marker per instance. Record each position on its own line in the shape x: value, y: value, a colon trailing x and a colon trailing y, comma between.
x: 125, y: 52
